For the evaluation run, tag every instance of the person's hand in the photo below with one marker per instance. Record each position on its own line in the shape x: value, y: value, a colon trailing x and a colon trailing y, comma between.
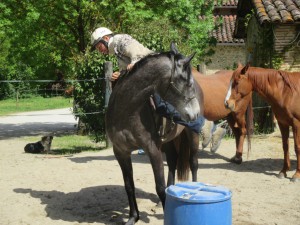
x: 129, y: 67
x: 115, y: 76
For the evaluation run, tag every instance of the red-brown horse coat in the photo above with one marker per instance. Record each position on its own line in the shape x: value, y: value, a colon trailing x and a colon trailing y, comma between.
x: 214, y: 88
x: 282, y: 91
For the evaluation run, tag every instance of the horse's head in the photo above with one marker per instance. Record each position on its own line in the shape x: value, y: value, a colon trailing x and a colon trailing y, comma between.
x: 239, y: 91
x: 181, y: 89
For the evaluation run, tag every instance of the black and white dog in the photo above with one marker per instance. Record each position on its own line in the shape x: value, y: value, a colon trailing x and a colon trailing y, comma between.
x: 43, y: 145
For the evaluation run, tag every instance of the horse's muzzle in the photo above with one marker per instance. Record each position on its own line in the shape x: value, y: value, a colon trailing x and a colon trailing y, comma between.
x: 192, y: 110
x: 230, y: 105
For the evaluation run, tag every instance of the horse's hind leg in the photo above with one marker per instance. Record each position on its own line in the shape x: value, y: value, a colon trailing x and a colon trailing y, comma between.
x: 124, y: 159
x: 284, y: 129
x: 296, y: 133
x: 171, y: 157
x: 193, y: 139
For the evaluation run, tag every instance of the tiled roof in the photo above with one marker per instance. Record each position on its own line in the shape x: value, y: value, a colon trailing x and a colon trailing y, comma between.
x: 224, y: 33
x: 277, y: 11
x: 224, y: 17
x: 226, y: 3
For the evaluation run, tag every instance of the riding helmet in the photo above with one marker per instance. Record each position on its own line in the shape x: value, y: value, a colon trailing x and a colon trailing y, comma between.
x: 98, y: 34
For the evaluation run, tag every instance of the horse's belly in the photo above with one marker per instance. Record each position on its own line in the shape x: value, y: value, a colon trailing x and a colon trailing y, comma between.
x: 215, y: 112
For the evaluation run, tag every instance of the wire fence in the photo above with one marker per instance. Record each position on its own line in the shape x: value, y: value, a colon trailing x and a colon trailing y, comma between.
x: 54, y: 91
x: 52, y: 87
x: 57, y: 91
x: 49, y: 81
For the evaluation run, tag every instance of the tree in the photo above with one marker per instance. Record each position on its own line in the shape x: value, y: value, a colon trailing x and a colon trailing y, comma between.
x: 48, y: 34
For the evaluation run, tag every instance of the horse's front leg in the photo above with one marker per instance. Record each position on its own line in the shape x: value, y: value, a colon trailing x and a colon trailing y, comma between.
x: 284, y: 129
x: 124, y: 159
x: 156, y: 159
x: 239, y: 140
x: 296, y: 134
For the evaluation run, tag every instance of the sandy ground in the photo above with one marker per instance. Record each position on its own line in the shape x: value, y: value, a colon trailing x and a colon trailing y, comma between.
x: 87, y: 188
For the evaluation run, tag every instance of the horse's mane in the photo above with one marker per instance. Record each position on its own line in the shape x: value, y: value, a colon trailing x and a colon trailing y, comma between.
x: 266, y: 76
x: 290, y: 78
x: 148, y: 58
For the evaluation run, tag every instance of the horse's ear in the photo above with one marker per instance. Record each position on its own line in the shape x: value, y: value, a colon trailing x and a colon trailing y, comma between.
x: 174, y: 48
x: 186, y: 60
x: 239, y: 65
x: 44, y: 138
x: 244, y: 70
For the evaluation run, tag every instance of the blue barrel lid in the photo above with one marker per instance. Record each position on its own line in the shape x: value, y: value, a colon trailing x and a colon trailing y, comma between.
x: 198, y: 192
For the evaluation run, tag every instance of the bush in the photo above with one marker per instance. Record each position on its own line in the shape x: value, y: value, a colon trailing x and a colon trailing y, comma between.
x: 19, y: 72
x: 6, y: 89
x: 89, y: 93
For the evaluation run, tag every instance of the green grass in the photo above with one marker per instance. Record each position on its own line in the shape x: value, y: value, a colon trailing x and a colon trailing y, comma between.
x: 72, y: 144
x: 10, y: 106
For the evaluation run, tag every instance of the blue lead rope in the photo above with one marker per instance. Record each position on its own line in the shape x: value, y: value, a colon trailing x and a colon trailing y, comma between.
x: 167, y: 110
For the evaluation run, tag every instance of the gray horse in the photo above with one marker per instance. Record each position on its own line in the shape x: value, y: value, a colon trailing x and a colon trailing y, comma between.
x: 130, y: 120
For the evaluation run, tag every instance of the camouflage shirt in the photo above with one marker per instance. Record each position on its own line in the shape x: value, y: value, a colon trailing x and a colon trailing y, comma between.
x: 127, y: 49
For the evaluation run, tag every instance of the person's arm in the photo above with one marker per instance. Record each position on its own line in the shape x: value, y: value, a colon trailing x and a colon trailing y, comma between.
x: 115, y: 76
x: 135, y: 51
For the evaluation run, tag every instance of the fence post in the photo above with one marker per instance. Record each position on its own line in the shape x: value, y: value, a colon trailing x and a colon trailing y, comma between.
x: 108, y: 68
x: 17, y: 98
x: 201, y: 68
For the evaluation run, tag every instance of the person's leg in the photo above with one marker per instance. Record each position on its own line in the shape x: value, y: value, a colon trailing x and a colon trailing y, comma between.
x: 217, y: 137
x: 206, y: 133
x: 141, y: 152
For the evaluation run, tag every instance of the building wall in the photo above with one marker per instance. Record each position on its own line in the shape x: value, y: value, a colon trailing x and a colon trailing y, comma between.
x: 257, y: 53
x: 287, y: 43
x: 225, y: 57
x: 257, y: 56
x: 286, y: 39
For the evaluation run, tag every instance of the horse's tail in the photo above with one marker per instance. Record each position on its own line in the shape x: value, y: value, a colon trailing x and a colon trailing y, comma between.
x: 183, y: 161
x: 249, y: 124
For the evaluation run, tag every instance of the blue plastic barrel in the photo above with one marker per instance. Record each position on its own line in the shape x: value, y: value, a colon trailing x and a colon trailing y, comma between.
x: 195, y: 203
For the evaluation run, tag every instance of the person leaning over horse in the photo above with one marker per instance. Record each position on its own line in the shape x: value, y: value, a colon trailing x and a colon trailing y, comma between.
x: 127, y: 49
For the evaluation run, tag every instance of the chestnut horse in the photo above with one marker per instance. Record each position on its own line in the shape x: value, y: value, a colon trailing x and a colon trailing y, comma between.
x: 281, y: 90
x: 214, y: 88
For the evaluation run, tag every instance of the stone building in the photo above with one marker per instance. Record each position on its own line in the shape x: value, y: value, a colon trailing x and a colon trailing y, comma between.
x: 271, y: 29
x: 228, y: 50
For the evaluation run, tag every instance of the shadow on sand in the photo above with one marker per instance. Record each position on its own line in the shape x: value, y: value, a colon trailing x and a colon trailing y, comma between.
x: 102, y: 204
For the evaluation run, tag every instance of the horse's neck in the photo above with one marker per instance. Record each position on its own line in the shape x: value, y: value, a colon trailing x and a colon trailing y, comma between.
x: 265, y: 83
x: 144, y: 80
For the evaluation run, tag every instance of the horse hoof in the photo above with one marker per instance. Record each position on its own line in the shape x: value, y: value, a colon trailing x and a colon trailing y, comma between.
x: 131, y: 221
x: 281, y: 175
x: 236, y: 160
x: 295, y: 179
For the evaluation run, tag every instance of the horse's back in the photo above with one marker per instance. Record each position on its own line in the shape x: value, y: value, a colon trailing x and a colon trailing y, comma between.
x: 287, y: 105
x: 214, y: 87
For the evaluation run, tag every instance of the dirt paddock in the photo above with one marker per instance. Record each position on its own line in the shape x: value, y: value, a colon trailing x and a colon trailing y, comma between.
x: 87, y: 188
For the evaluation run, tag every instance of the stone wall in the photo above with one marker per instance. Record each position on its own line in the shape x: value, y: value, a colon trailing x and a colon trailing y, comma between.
x: 225, y: 57
x: 284, y: 45
x: 287, y: 42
